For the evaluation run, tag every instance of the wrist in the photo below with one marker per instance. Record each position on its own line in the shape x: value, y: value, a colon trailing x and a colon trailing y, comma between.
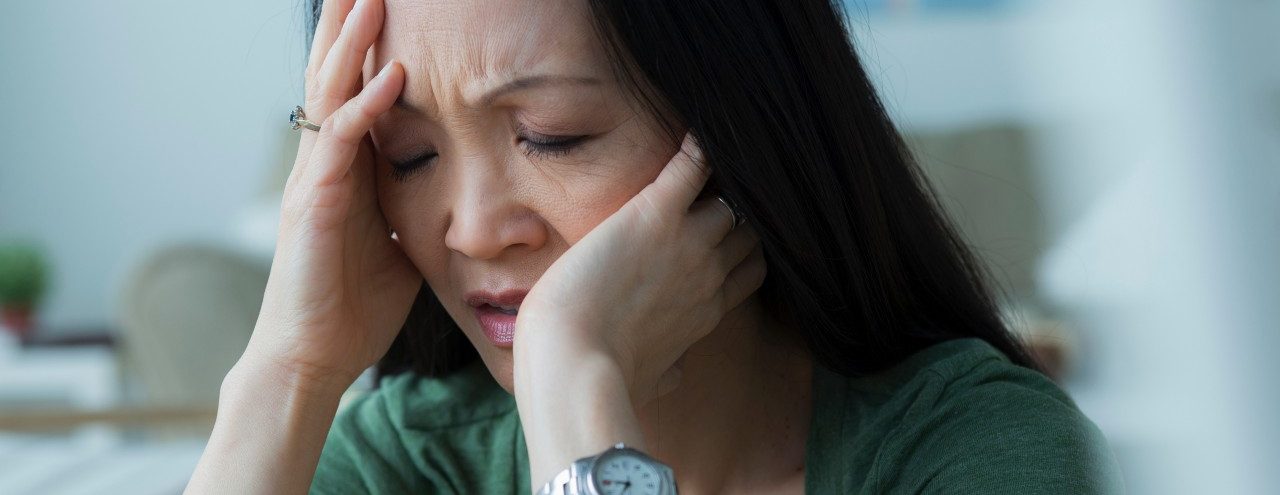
x: 556, y: 353
x: 257, y: 379
x: 573, y: 402
x: 259, y: 364
x: 271, y: 418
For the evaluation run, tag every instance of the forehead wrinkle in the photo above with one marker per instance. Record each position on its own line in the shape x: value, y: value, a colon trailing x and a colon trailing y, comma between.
x: 503, y: 51
x: 420, y: 37
x: 454, y: 50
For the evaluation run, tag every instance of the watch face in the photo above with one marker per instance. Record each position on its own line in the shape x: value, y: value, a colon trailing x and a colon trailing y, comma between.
x: 623, y: 473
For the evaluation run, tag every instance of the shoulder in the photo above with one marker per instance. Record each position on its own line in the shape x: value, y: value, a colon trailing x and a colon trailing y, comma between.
x: 967, y: 420
x: 416, y: 433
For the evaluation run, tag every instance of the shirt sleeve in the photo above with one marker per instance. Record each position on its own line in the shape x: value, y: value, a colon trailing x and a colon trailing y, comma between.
x: 1008, y: 436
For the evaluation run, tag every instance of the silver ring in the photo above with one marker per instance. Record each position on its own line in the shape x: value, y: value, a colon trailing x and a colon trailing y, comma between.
x: 299, y: 120
x: 737, y: 219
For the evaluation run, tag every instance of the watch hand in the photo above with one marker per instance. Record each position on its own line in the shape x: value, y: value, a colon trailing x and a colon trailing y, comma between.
x: 616, y: 482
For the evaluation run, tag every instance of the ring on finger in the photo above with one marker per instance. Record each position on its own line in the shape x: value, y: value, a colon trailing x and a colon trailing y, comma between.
x: 735, y: 217
x: 299, y: 119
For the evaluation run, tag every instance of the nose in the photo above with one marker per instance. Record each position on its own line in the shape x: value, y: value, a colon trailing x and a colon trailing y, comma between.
x: 489, y: 216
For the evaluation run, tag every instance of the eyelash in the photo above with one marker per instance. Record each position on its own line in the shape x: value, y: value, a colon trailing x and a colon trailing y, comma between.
x: 557, y: 146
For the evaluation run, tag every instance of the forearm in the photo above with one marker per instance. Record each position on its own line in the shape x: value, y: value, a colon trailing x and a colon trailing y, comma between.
x: 571, y: 405
x: 270, y: 429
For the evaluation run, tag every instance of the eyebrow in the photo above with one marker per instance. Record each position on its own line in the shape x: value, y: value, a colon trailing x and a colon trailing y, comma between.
x: 520, y: 84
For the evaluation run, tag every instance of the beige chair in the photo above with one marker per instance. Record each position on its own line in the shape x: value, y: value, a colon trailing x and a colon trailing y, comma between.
x: 186, y: 315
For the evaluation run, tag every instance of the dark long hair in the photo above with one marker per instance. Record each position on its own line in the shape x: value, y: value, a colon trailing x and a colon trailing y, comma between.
x: 862, y: 260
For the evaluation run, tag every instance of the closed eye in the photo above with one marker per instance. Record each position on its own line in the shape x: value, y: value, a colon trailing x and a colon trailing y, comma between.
x: 401, y: 170
x: 534, y: 145
x: 558, y: 146
x: 538, y: 145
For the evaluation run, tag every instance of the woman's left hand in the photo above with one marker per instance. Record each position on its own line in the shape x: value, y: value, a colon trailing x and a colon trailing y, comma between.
x: 643, y: 285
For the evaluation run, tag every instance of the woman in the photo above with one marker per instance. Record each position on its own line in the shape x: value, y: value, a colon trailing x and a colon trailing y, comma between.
x: 533, y: 214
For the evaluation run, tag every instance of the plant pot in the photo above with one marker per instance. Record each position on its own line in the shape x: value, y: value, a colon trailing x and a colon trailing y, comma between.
x: 19, y: 319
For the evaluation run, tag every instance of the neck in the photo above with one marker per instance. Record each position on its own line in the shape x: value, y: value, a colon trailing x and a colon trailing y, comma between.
x: 739, y: 419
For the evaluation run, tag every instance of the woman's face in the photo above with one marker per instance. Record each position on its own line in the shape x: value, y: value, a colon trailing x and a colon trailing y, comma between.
x: 484, y: 198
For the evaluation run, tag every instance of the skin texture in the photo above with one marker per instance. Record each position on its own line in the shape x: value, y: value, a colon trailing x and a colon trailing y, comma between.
x: 505, y: 216
x: 485, y: 214
x: 641, y: 300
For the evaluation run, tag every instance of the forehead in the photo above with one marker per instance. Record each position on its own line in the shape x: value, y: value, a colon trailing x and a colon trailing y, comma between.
x: 466, y: 46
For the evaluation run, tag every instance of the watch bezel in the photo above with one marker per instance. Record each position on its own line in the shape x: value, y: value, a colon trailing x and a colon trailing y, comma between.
x: 665, y: 474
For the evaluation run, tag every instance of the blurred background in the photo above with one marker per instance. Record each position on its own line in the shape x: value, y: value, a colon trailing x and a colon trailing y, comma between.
x: 1116, y: 163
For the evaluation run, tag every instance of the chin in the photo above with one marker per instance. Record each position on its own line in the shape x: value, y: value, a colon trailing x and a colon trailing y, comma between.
x: 499, y: 360
x: 500, y: 363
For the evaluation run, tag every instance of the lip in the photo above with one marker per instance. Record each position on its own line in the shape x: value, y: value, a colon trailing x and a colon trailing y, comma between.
x: 498, y: 327
x: 508, y: 297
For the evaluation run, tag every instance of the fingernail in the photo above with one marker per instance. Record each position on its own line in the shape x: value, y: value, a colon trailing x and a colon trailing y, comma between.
x: 386, y: 69
x: 690, y: 146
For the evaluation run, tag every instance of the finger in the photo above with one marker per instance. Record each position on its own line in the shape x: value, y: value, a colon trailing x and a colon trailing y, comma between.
x: 680, y: 181
x: 711, y: 219
x: 340, y: 72
x: 332, y: 14
x: 736, y: 247
x: 342, y: 133
x: 743, y: 280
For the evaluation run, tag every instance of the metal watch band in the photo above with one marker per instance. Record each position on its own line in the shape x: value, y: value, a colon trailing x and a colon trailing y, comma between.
x: 573, y: 480
x: 559, y: 485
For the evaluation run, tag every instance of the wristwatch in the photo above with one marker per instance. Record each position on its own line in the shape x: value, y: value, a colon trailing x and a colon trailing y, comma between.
x: 616, y: 471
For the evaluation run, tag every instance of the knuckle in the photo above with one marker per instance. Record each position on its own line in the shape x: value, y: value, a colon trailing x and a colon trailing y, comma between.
x: 331, y: 95
x: 353, y: 113
x: 310, y: 76
x: 338, y: 126
x: 312, y: 85
x: 334, y: 125
x: 321, y: 99
x: 649, y: 210
x: 314, y: 104
x: 292, y: 211
x: 362, y: 107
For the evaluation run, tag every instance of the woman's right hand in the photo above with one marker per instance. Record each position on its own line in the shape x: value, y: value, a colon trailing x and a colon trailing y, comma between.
x: 340, y: 286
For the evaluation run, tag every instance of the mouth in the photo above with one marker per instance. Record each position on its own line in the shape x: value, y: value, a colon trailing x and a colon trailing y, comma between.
x: 512, y: 310
x: 508, y: 300
x: 496, y: 313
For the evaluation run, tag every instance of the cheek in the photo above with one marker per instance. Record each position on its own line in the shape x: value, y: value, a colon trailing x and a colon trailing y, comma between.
x: 416, y: 221
x: 580, y: 201
x: 579, y: 205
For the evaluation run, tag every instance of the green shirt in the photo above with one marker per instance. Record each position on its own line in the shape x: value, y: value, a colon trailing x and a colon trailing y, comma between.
x: 956, y: 417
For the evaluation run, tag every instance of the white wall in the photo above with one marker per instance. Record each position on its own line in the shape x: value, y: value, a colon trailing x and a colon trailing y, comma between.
x: 130, y: 124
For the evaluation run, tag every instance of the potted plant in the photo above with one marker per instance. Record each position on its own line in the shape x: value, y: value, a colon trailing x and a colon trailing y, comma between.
x: 23, y: 281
